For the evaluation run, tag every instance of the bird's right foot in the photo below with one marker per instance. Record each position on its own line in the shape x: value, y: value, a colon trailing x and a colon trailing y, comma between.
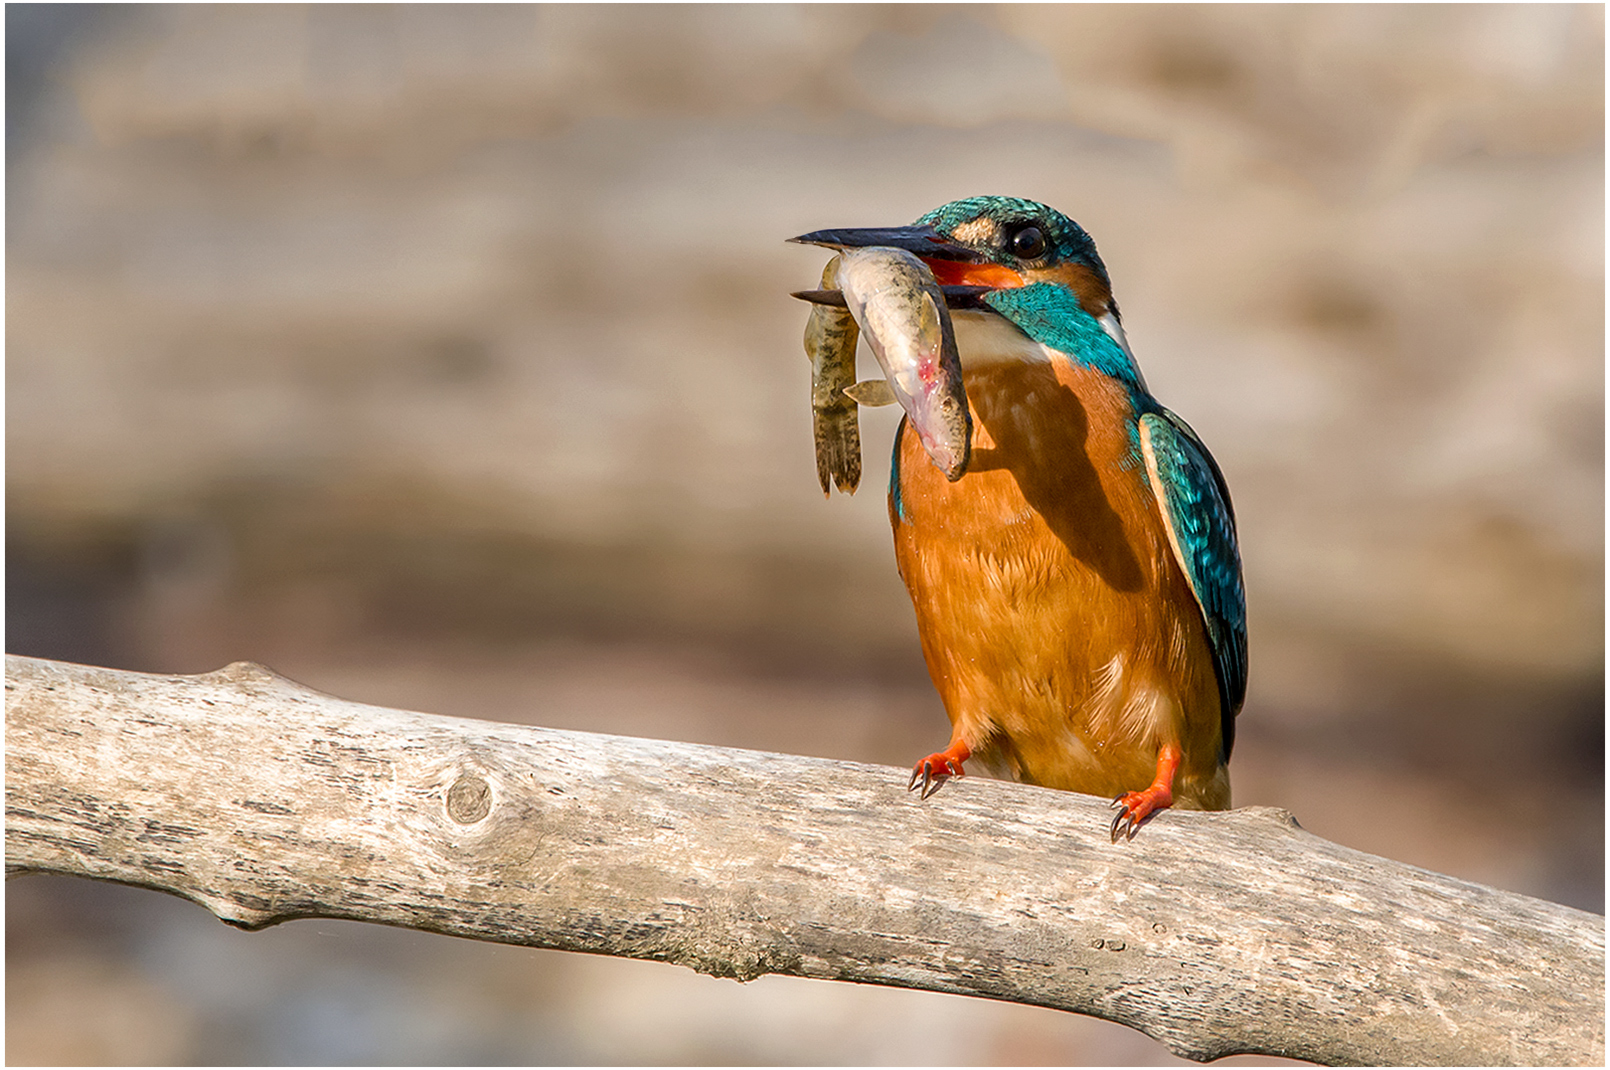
x: 935, y: 769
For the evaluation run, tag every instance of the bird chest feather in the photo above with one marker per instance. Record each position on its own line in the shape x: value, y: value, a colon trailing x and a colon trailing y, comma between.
x: 1047, y: 596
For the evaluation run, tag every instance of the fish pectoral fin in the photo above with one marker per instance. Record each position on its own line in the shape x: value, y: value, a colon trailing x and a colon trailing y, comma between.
x: 873, y: 393
x: 930, y: 333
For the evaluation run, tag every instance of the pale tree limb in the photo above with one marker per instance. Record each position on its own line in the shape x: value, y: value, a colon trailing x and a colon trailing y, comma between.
x: 1214, y: 933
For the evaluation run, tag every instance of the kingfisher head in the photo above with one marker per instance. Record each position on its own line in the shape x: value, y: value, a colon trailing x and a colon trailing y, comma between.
x: 1017, y: 243
x: 994, y: 243
x: 1021, y: 260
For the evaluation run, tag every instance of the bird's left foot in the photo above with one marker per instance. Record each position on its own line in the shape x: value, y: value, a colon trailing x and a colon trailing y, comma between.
x: 1136, y: 807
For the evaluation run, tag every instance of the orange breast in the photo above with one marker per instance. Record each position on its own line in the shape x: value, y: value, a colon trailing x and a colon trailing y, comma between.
x: 1057, y: 626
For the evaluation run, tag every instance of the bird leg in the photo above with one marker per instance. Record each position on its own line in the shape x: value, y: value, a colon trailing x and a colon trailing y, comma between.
x: 1136, y: 807
x: 933, y: 770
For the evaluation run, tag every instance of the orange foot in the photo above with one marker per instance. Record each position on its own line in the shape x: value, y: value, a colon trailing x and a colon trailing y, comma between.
x: 1135, y: 808
x: 935, y: 769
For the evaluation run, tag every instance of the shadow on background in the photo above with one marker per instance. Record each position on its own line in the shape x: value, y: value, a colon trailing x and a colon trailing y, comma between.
x: 441, y: 357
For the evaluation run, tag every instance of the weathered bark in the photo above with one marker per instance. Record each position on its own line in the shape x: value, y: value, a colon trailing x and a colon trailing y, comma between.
x: 1214, y: 933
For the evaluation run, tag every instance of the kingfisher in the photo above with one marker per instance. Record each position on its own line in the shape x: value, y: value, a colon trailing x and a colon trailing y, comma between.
x: 1078, y: 589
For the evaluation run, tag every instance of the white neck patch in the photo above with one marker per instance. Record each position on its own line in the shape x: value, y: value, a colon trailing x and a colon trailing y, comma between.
x: 985, y: 339
x: 1115, y: 331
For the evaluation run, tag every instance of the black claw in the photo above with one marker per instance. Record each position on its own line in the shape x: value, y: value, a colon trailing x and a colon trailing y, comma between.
x: 1116, y: 822
x: 929, y: 779
x: 1116, y: 802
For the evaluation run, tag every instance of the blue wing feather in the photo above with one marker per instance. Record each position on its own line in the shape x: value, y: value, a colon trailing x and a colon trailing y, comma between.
x: 897, y: 504
x: 1201, y: 520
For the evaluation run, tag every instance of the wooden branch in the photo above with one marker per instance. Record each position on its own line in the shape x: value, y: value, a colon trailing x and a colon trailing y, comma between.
x: 1214, y: 933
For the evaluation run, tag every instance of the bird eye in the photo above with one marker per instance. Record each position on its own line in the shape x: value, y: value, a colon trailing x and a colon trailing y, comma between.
x: 1028, y: 243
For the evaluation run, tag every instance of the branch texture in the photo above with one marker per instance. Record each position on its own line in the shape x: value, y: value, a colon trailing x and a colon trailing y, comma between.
x: 1214, y: 933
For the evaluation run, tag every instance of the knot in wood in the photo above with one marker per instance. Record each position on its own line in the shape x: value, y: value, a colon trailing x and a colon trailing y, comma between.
x: 469, y: 799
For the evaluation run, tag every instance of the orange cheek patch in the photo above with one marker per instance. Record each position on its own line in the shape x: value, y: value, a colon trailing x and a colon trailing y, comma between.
x: 958, y: 273
x: 1094, y: 297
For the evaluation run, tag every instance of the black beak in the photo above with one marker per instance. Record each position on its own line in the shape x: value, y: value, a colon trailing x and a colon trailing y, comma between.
x: 955, y: 296
x: 921, y: 240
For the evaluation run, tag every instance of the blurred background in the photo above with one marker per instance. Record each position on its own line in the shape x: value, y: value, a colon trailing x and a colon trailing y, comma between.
x: 442, y: 357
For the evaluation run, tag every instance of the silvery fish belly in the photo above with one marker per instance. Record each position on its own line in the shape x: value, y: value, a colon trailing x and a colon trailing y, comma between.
x: 830, y: 336
x: 901, y: 310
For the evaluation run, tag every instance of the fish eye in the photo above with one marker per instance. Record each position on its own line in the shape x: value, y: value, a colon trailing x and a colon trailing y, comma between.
x: 1027, y: 242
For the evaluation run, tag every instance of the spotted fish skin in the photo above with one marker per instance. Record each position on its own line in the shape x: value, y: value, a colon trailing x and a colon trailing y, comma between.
x: 830, y: 338
x: 901, y: 309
